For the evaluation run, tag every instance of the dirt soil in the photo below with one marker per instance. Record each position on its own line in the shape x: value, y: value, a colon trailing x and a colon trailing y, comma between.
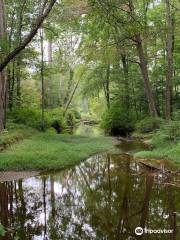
x: 12, y: 175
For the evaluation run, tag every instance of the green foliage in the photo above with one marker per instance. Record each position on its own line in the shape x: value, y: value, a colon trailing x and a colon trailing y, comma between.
x: 116, y: 121
x: 2, y: 231
x: 165, y: 142
x: 70, y: 119
x: 27, y: 116
x: 176, y: 115
x: 55, y: 115
x: 148, y: 124
x: 169, y: 133
x: 76, y: 114
x: 32, y: 117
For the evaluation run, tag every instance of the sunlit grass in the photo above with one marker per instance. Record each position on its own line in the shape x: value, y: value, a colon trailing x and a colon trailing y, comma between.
x: 171, y: 151
x: 49, y: 151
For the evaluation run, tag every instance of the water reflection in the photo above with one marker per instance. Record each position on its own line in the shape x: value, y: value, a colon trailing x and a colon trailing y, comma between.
x: 104, y: 198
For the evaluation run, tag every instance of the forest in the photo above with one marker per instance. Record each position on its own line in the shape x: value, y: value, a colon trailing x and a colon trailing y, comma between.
x: 82, y: 77
x: 115, y: 62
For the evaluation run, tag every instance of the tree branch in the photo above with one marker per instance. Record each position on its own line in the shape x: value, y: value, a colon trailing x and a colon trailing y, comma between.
x: 28, y: 38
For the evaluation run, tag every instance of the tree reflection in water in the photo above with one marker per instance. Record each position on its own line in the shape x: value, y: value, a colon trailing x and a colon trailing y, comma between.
x: 105, y: 197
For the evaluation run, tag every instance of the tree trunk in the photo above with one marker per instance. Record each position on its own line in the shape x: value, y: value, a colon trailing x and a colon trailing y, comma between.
x: 28, y: 38
x: 169, y: 56
x: 71, y: 97
x: 42, y: 80
x: 2, y: 74
x: 143, y: 66
x: 126, y: 80
x: 2, y: 100
x: 106, y: 86
x: 11, y: 86
x: 69, y: 85
x: 19, y: 57
x: 145, y: 75
x: 48, y: 84
x: 50, y: 52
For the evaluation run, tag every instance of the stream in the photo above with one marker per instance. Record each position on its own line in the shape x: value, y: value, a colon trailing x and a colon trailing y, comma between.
x: 104, y: 198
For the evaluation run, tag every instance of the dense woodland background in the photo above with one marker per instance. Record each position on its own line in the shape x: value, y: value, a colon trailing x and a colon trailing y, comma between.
x: 115, y: 60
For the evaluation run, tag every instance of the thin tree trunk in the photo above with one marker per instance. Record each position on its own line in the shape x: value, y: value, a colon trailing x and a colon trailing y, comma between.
x: 11, y: 87
x: 106, y: 86
x: 71, y: 75
x: 48, y: 85
x: 71, y: 97
x: 2, y: 100
x: 126, y: 79
x: 2, y: 74
x: 42, y: 80
x: 169, y: 72
x: 19, y: 57
x: 50, y: 51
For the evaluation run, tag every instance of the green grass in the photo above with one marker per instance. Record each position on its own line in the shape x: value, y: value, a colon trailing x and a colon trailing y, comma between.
x: 49, y: 151
x: 171, y: 152
x: 13, y: 135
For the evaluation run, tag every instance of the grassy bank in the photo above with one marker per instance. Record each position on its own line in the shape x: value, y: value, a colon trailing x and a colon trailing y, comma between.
x: 49, y: 151
x: 171, y: 152
x: 168, y: 152
x: 14, y: 134
x: 165, y: 143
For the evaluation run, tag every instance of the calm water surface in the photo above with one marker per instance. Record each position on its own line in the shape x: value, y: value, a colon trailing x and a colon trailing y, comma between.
x: 104, y: 198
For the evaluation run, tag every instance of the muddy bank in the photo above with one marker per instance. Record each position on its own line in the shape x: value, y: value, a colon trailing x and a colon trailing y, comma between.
x: 12, y: 175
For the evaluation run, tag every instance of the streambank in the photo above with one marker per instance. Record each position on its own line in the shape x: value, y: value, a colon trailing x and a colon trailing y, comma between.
x: 170, y: 152
x: 166, y: 151
x: 50, y: 151
x: 14, y: 135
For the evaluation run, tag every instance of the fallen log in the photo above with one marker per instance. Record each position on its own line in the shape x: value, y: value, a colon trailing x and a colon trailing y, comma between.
x: 152, y: 168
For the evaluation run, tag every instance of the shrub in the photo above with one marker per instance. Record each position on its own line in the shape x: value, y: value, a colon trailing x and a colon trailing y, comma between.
x: 148, y: 124
x: 32, y: 117
x: 116, y: 121
x: 70, y: 119
x: 168, y: 133
x: 76, y: 114
x: 56, y: 115
x: 26, y: 116
x: 176, y: 115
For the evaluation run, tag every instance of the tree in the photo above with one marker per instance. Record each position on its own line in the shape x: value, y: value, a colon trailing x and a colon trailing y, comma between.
x: 42, y: 80
x: 143, y: 65
x: 2, y: 73
x: 6, y: 58
x: 169, y: 70
x: 43, y: 14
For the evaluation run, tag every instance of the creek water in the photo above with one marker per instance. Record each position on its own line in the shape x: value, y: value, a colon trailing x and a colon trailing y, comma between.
x: 104, y: 198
